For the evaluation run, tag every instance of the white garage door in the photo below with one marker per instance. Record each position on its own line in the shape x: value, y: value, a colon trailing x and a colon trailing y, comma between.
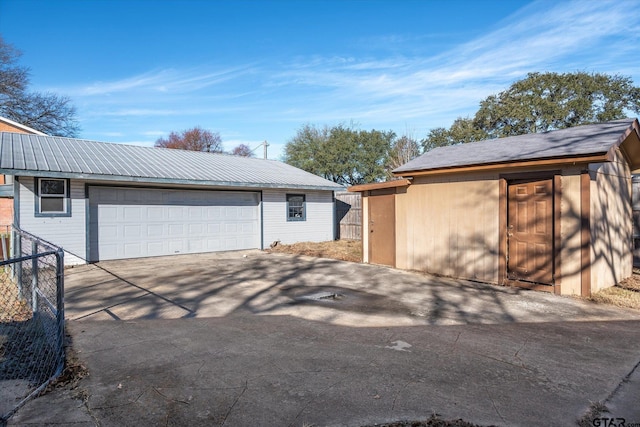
x: 134, y: 223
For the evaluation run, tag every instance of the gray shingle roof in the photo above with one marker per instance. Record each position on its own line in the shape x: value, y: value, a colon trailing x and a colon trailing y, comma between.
x: 572, y: 142
x: 35, y: 155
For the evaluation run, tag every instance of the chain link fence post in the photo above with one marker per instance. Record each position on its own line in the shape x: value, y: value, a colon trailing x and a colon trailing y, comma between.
x: 31, y: 320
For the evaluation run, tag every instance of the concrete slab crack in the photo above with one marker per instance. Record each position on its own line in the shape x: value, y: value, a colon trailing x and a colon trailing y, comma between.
x: 455, y: 342
x: 85, y: 402
x: 623, y: 381
x: 515, y: 355
x: 494, y: 406
x: 393, y: 405
x: 224, y: 420
x: 169, y: 398
x: 311, y: 400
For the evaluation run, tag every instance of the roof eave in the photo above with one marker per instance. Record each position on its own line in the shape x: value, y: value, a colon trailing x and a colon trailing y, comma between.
x: 629, y: 144
x: 21, y: 126
x: 551, y: 162
x: 380, y: 185
x: 165, y: 181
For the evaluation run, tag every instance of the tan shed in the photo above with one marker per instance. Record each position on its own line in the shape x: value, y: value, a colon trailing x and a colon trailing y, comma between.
x: 549, y: 211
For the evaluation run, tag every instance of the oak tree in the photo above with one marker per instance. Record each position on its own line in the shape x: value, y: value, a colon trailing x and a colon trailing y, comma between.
x: 341, y: 154
x: 542, y: 102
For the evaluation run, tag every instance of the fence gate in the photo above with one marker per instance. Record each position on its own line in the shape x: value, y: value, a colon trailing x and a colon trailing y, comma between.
x: 31, y: 319
x: 348, y: 216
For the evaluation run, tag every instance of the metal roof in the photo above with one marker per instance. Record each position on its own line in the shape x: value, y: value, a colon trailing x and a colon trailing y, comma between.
x: 36, y: 155
x: 577, y: 141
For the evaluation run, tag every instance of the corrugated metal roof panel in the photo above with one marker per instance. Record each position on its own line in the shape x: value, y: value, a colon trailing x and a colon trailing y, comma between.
x: 37, y: 155
x: 576, y: 141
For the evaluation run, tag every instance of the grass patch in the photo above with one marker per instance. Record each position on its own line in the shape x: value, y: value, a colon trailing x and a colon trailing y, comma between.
x: 618, y: 296
x: 344, y: 250
x: 624, y: 294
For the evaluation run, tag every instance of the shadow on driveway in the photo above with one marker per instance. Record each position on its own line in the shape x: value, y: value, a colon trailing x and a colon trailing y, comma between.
x: 278, y: 340
x: 220, y: 284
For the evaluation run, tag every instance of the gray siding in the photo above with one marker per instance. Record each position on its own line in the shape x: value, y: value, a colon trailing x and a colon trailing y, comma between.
x: 71, y: 232
x: 318, y: 226
x: 66, y: 232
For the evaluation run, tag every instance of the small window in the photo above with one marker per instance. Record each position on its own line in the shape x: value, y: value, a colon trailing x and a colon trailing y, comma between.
x: 53, y: 197
x: 296, y: 209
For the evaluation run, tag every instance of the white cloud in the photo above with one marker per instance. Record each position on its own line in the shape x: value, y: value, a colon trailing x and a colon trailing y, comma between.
x: 160, y: 81
x: 247, y: 102
x: 544, y: 36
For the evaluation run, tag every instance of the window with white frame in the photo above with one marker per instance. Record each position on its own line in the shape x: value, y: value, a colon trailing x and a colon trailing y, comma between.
x: 53, y: 197
x: 296, y: 207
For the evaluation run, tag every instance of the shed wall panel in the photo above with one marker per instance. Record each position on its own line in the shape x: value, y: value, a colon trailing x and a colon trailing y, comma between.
x: 570, y: 226
x: 67, y: 232
x: 449, y: 225
x: 365, y: 228
x: 611, y: 223
x: 319, y: 223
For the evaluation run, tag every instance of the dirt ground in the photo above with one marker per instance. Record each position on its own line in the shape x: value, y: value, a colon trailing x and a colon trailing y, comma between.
x: 344, y: 250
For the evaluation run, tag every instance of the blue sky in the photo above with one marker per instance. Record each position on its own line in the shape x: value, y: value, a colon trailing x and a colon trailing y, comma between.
x: 259, y: 70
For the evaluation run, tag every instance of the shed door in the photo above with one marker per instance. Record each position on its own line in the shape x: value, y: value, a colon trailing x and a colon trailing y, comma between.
x: 382, y: 229
x: 137, y: 222
x: 530, y: 231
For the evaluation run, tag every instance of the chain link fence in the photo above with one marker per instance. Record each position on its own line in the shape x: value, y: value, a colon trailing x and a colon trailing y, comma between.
x: 31, y: 318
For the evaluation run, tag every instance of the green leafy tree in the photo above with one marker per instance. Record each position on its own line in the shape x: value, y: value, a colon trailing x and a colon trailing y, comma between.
x: 194, y: 139
x: 47, y: 112
x: 542, y: 102
x: 341, y: 154
x: 547, y: 101
x: 305, y: 149
x: 462, y: 130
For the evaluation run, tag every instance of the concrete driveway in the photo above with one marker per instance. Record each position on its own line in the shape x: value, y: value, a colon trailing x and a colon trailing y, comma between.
x: 251, y: 338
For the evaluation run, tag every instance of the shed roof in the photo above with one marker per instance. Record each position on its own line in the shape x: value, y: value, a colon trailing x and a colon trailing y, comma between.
x: 36, y: 155
x: 580, y: 142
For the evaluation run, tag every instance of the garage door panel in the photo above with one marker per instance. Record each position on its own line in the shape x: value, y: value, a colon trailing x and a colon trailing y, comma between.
x: 176, y: 246
x: 131, y: 223
x: 132, y: 250
x: 155, y: 231
x: 132, y: 230
x: 155, y: 213
x: 196, y: 230
x: 175, y: 212
x: 176, y: 230
x: 214, y: 212
x: 132, y: 214
x: 152, y: 248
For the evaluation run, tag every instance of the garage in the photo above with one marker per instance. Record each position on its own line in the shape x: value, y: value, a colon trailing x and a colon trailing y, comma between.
x: 102, y: 201
x: 141, y: 222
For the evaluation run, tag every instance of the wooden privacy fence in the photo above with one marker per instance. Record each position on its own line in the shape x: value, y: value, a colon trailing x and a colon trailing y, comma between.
x: 348, y: 216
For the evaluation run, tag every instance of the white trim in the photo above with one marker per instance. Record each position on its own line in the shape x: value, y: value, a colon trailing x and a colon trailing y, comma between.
x: 23, y: 127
